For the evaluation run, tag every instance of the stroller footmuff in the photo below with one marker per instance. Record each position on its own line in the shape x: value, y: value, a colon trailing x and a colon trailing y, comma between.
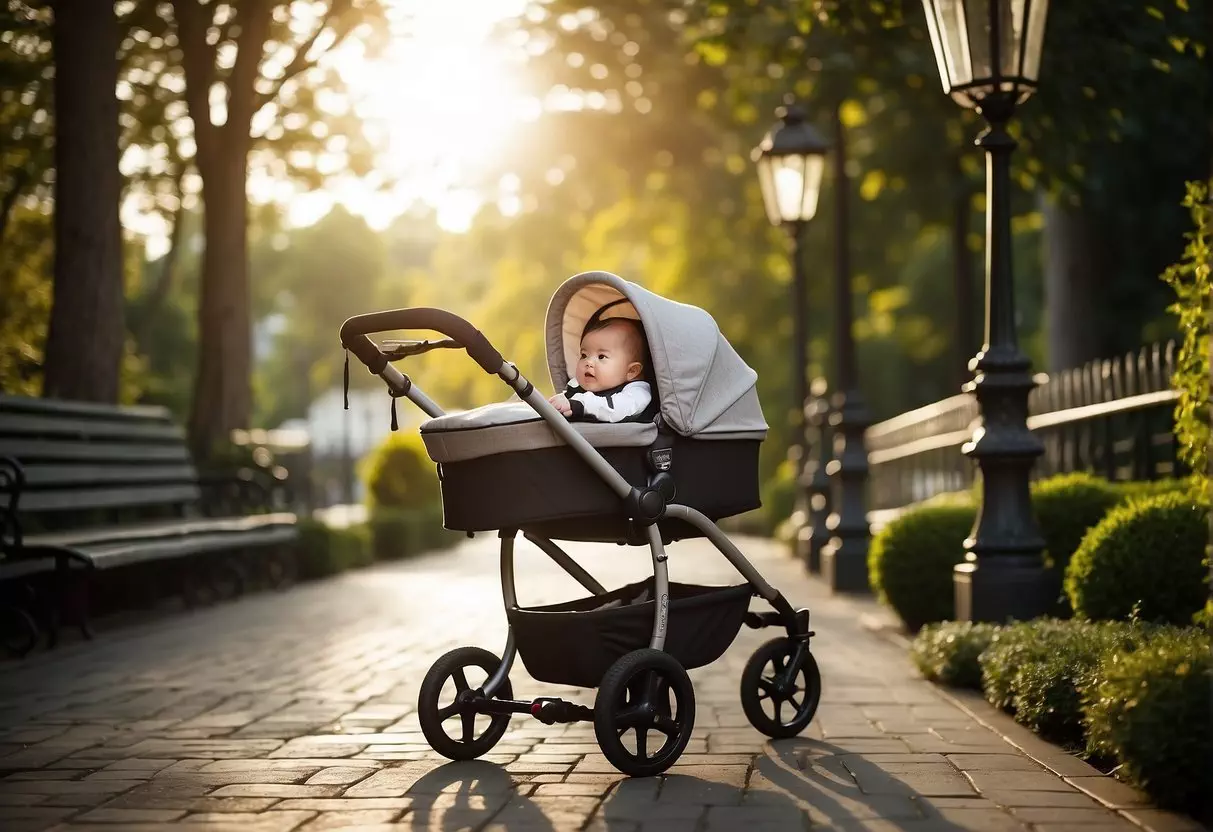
x: 522, y: 467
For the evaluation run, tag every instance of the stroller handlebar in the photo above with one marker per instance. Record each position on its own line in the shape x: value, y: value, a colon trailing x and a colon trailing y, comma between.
x: 355, y: 330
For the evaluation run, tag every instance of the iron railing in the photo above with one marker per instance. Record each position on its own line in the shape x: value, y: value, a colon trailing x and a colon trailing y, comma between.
x: 1113, y: 417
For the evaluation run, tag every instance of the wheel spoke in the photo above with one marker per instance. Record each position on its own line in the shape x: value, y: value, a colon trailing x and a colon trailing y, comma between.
x: 652, y: 688
x: 642, y: 743
x: 666, y: 725
x: 795, y: 704
x: 461, y: 681
x: 779, y: 711
x: 628, y: 718
x: 449, y: 711
x: 469, y: 726
x: 766, y: 685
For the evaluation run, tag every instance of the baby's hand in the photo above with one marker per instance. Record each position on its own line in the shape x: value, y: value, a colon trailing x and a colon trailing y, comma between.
x: 561, y: 403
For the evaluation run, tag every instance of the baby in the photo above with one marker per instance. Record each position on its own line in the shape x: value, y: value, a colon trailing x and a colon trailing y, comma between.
x: 607, y: 387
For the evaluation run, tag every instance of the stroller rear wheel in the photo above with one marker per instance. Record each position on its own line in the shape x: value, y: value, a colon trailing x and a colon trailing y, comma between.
x: 645, y: 692
x: 477, y: 733
x: 776, y: 701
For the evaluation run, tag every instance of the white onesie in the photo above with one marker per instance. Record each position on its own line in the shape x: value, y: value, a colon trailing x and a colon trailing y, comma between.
x: 612, y: 405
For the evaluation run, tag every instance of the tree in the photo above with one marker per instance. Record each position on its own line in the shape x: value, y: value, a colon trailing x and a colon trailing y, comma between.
x: 86, y: 334
x: 244, y: 68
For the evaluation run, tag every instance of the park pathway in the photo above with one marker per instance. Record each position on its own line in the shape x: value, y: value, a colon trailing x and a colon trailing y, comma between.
x: 295, y: 711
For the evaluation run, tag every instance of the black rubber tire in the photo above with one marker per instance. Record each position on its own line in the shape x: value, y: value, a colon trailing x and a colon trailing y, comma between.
x: 757, y: 684
x: 429, y: 710
x: 630, y: 683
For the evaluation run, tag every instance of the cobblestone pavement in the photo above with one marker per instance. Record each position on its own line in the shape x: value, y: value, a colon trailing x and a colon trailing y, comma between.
x: 297, y: 711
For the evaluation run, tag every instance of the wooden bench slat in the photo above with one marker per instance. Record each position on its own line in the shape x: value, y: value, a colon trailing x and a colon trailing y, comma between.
x: 13, y: 425
x: 53, y: 476
x: 157, y: 529
x: 32, y: 451
x: 52, y: 407
x: 77, y: 499
x: 121, y: 554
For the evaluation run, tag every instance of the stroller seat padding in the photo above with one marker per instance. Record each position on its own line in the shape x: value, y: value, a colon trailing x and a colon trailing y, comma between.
x: 514, y: 426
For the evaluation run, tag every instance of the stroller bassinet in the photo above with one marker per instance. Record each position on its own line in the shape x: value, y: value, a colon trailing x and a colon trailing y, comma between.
x: 502, y: 466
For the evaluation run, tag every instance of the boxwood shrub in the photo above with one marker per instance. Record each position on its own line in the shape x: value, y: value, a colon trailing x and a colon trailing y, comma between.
x: 1147, y: 559
x: 1067, y: 506
x: 948, y: 652
x: 1150, y: 711
x: 323, y: 550
x: 1038, y: 670
x: 910, y: 561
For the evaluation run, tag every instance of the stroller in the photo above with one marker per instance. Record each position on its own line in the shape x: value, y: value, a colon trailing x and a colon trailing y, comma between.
x: 521, y: 467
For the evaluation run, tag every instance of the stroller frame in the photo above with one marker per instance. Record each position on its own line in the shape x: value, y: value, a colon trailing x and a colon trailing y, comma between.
x: 644, y: 505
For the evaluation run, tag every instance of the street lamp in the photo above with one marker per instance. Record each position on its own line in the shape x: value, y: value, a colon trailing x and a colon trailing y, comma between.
x: 988, y: 52
x: 790, y: 161
x: 844, y: 560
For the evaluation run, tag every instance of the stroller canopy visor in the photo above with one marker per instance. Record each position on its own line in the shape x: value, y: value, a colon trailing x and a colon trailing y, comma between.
x: 704, y: 387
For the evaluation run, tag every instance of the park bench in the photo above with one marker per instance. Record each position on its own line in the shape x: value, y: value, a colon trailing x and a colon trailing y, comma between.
x: 90, y: 489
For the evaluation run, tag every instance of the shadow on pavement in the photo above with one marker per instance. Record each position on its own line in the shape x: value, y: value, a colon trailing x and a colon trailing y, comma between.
x: 465, y: 795
x: 841, y: 787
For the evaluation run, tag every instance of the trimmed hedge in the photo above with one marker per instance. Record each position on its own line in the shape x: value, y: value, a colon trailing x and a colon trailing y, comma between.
x: 910, y: 561
x: 948, y: 652
x: 400, y: 475
x: 1150, y: 711
x: 1037, y: 670
x: 323, y: 550
x: 1146, y: 559
x: 401, y: 533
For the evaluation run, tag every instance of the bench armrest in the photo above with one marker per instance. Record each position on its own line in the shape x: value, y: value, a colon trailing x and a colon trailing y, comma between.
x: 12, y: 482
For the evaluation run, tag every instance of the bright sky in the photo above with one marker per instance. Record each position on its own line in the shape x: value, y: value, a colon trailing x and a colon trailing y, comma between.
x: 441, y: 96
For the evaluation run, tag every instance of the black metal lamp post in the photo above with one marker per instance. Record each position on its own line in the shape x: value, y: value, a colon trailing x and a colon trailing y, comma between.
x: 988, y: 52
x: 844, y: 560
x: 790, y: 161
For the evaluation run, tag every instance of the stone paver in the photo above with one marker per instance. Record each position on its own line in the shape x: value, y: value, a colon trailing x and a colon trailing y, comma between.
x: 297, y: 711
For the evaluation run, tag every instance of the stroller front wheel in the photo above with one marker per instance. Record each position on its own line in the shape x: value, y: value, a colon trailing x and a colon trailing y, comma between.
x: 777, y: 700
x: 645, y: 692
x: 476, y: 733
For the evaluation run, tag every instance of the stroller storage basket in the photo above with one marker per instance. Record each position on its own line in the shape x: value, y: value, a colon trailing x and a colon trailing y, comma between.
x: 576, y: 642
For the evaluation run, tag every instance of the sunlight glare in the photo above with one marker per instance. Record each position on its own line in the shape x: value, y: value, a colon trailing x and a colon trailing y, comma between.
x: 447, y: 99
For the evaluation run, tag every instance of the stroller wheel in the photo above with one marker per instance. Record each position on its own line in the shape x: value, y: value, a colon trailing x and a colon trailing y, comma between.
x: 644, y: 712
x: 776, y: 705
x: 447, y: 693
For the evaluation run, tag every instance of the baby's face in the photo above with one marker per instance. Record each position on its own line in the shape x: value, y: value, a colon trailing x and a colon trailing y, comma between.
x: 608, y: 358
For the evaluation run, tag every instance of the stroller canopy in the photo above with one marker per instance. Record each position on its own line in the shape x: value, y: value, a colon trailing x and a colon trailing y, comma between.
x: 705, y: 389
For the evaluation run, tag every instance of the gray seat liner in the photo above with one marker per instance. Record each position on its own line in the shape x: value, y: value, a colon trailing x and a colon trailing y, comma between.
x: 515, y: 426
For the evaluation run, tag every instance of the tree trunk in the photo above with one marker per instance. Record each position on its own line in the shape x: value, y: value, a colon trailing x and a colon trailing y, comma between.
x: 222, y: 389
x: 84, y: 343
x: 1073, y: 263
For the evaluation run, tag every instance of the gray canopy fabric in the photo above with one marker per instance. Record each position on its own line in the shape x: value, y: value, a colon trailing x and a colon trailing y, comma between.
x: 705, y: 388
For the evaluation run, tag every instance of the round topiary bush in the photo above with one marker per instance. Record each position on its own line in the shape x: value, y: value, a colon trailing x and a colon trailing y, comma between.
x: 1150, y: 713
x: 910, y: 561
x: 400, y: 475
x: 1067, y: 507
x: 1145, y: 559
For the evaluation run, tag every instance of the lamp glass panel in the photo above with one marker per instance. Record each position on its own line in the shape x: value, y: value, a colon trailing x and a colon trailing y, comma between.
x: 951, y: 20
x: 977, y: 29
x: 814, y: 167
x: 766, y: 180
x: 789, y: 175
x: 1037, y: 12
x: 937, y: 46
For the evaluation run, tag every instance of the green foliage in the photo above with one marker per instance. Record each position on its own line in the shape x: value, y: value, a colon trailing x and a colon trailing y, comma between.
x: 948, y: 652
x: 1192, y: 280
x: 910, y: 561
x: 779, y: 496
x: 323, y: 550
x: 1149, y: 488
x: 1149, y: 710
x: 1144, y: 559
x: 400, y: 533
x: 1038, y: 670
x: 25, y: 286
x: 399, y: 474
x: 1067, y: 506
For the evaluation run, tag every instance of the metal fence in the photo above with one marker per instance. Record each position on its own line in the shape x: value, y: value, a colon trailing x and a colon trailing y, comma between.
x: 1113, y: 417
